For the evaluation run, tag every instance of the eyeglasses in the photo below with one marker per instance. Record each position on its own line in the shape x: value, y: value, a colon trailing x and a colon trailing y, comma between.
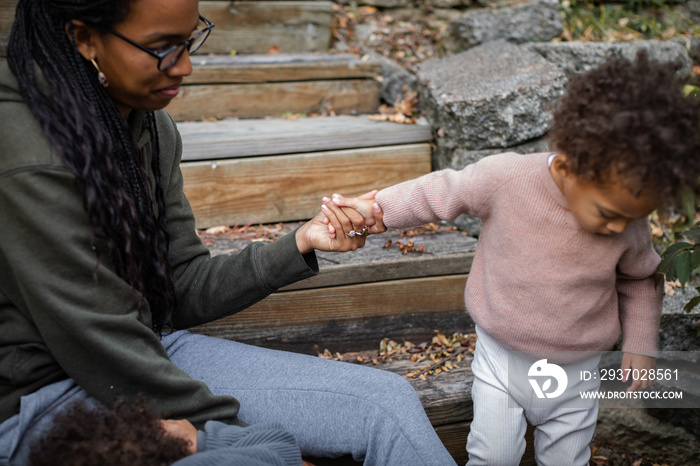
x: 169, y: 55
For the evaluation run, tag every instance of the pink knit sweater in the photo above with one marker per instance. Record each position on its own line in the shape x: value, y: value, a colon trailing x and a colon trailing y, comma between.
x: 539, y: 282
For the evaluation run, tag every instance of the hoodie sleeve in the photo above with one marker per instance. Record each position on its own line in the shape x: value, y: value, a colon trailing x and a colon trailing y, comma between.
x: 267, y: 444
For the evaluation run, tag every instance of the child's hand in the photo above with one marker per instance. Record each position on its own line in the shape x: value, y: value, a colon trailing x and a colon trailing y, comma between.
x: 330, y: 230
x: 183, y: 429
x: 366, y: 206
x: 643, y: 365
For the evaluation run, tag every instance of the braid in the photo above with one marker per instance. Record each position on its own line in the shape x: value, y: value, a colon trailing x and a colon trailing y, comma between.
x: 108, y: 166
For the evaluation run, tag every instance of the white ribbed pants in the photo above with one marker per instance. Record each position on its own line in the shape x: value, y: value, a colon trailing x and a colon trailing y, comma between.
x: 503, y: 403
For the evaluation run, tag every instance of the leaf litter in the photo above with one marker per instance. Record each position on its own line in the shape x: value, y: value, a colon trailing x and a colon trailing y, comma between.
x: 441, y: 354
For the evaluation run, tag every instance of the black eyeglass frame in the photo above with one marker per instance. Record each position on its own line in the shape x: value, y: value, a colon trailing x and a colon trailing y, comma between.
x: 208, y: 26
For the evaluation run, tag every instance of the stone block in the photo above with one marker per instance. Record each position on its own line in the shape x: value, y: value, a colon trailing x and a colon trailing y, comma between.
x: 459, y: 157
x: 578, y: 57
x: 692, y: 46
x: 537, y: 20
x: 492, y: 96
x: 396, y: 80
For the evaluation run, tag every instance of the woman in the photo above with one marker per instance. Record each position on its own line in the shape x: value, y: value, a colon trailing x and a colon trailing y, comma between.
x: 99, y: 259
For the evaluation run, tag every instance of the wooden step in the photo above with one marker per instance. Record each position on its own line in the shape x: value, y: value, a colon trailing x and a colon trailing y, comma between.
x: 357, y: 298
x: 257, y: 26
x: 245, y: 26
x: 280, y: 68
x: 234, y: 175
x: 7, y: 16
x: 273, y: 85
x: 233, y: 138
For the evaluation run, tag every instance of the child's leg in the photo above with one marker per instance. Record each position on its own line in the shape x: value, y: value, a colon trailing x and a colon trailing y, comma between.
x: 564, y: 432
x: 332, y: 408
x: 497, y: 432
x: 565, y: 439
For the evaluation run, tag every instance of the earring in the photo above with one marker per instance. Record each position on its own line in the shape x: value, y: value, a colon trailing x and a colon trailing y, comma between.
x: 100, y: 75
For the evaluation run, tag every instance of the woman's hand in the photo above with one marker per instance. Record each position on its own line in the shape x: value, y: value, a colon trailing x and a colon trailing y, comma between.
x: 331, y: 230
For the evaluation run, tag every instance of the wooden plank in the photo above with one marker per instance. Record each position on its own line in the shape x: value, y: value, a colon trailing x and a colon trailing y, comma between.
x: 280, y: 68
x: 344, y: 313
x: 290, y: 187
x: 448, y: 251
x: 446, y: 397
x: 454, y: 437
x: 257, y: 100
x: 207, y: 140
x: 349, y: 335
x: 350, y: 303
x: 256, y: 26
x: 7, y: 17
x: 445, y: 255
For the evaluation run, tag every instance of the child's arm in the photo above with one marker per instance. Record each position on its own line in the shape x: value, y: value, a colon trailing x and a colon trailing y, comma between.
x: 643, y: 365
x: 639, y: 292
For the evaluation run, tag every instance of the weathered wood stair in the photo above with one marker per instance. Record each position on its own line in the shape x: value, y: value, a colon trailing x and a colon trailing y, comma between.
x: 257, y: 86
x: 272, y: 170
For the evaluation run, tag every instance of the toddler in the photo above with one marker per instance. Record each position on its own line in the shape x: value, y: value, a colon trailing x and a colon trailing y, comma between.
x: 91, y: 435
x: 564, y: 263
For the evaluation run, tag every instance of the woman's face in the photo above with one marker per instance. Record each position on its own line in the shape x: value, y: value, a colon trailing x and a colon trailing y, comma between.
x: 135, y: 82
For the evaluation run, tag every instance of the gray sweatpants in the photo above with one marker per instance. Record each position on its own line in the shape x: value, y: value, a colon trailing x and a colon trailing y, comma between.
x: 332, y: 408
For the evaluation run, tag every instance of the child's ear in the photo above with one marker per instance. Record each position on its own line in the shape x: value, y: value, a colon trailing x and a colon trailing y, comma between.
x: 559, y: 165
x: 83, y: 36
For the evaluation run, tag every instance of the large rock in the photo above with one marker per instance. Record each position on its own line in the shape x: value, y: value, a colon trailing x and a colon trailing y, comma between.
x: 492, y: 96
x: 578, y: 57
x: 459, y: 157
x: 537, y: 20
x: 692, y: 8
x: 692, y: 46
x: 396, y: 80
x: 635, y: 430
x: 679, y: 329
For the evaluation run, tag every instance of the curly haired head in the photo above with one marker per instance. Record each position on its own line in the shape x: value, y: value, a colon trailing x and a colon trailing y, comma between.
x: 633, y: 121
x: 85, y: 435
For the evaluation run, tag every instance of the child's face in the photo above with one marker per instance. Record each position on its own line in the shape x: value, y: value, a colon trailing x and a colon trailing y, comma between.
x: 603, y: 209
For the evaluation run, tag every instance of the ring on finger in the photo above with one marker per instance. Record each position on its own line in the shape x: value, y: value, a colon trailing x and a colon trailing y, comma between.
x: 354, y: 233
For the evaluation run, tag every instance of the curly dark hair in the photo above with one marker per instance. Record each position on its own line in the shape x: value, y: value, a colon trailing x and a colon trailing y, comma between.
x: 633, y: 120
x: 87, y: 435
x: 94, y: 143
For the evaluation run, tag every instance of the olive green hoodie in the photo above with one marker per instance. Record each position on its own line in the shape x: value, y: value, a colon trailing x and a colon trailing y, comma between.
x: 57, y: 321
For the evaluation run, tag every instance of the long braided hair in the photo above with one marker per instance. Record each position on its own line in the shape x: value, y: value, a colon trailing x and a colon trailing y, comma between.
x: 93, y: 141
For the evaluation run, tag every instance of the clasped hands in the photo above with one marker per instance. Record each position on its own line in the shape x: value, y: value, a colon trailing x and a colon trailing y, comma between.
x: 342, y: 225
